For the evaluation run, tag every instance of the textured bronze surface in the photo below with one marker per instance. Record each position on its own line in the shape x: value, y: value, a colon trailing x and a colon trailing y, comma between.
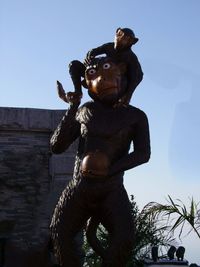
x: 105, y: 131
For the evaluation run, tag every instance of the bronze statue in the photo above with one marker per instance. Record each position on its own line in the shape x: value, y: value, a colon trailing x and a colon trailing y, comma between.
x: 120, y: 51
x: 105, y: 131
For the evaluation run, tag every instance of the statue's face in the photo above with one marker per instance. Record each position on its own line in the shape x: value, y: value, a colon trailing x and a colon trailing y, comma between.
x: 122, y: 40
x: 106, y: 81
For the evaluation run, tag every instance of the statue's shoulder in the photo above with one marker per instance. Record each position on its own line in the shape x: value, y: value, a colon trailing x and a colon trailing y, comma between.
x: 84, y: 111
x: 134, y: 111
x: 87, y: 105
x: 109, y: 45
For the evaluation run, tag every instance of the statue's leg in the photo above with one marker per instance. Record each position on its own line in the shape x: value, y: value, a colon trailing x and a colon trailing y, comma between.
x: 69, y: 218
x: 118, y: 220
x: 76, y: 71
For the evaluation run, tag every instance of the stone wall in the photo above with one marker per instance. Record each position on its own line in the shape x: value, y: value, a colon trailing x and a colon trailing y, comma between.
x: 31, y: 178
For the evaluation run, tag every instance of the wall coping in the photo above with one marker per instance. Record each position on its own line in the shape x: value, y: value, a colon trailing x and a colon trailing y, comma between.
x: 29, y: 119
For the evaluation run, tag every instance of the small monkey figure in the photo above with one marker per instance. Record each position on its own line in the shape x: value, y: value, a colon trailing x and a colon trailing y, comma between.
x: 119, y: 51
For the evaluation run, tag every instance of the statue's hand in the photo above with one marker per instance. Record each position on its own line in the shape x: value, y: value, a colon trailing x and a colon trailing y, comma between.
x: 73, y: 98
x: 69, y: 97
x: 89, y: 57
x: 87, y: 61
x: 90, y: 54
x: 61, y: 92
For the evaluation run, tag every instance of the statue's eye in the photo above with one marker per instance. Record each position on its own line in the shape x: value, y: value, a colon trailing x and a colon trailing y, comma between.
x: 106, y: 66
x: 91, y: 71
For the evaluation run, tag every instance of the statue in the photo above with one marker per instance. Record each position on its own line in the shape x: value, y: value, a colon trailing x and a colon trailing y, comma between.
x: 105, y: 131
x: 120, y: 51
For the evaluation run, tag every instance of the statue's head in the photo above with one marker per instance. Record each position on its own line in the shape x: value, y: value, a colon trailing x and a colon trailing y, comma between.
x: 106, y: 80
x: 124, y: 38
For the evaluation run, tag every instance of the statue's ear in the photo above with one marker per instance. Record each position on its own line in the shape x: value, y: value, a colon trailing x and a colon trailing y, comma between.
x: 123, y: 68
x: 118, y: 29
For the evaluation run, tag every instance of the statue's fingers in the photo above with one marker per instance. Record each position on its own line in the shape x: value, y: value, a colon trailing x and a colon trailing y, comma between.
x: 61, y: 91
x: 59, y: 86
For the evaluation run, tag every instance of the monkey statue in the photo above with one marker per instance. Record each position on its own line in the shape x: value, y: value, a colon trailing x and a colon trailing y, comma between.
x: 105, y: 132
x: 120, y: 51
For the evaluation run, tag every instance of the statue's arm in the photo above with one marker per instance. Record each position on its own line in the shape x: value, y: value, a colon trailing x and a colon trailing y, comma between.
x: 97, y: 51
x: 135, y: 73
x: 67, y: 131
x: 141, y: 142
x: 135, y: 76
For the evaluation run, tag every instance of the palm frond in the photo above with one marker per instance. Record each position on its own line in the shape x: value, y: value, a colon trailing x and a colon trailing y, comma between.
x: 169, y: 212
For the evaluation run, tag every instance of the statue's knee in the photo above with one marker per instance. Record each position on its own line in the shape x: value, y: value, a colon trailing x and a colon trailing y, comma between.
x: 74, y: 65
x: 76, y: 68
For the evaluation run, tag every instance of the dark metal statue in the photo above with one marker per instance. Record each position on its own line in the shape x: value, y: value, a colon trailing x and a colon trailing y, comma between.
x: 105, y: 133
x: 120, y: 51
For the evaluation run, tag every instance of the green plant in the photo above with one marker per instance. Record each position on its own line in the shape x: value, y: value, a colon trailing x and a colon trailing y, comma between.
x: 148, y: 233
x: 176, y: 214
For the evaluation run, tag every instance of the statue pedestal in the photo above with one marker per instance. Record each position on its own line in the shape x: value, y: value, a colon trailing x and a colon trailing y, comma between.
x: 165, y: 263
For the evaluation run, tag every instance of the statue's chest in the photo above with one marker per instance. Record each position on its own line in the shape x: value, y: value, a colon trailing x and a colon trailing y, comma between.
x: 105, y: 123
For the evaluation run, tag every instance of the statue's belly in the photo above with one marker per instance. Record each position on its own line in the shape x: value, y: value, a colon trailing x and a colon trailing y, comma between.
x: 95, y: 164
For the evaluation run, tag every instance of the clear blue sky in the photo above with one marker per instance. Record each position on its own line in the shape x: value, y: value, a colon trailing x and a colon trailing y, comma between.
x: 39, y: 38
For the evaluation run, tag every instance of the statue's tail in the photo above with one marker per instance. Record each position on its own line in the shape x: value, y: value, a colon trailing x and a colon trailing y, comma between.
x: 92, y: 237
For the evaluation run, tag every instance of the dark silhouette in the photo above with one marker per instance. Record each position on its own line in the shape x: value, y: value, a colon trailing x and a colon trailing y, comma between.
x: 105, y: 132
x: 2, y: 251
x: 171, y: 252
x: 120, y: 51
x: 180, y: 253
x: 154, y: 253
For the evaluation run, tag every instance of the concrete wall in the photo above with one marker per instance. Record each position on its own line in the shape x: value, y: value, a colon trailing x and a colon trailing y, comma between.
x: 31, y: 178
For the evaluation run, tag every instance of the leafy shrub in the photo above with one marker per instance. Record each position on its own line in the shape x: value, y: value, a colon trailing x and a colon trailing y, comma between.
x: 148, y: 233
